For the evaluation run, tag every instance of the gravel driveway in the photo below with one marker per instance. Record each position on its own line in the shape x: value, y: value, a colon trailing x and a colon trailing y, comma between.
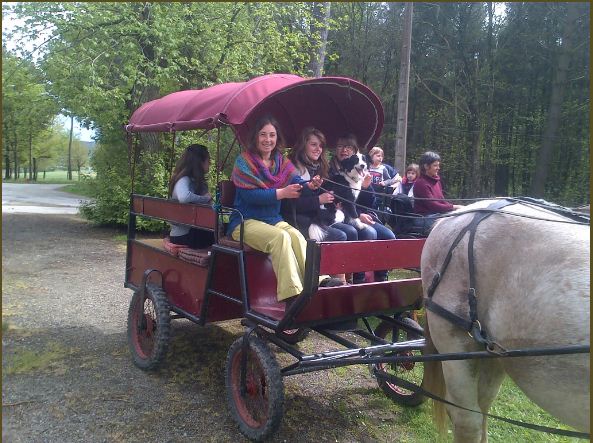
x: 68, y: 376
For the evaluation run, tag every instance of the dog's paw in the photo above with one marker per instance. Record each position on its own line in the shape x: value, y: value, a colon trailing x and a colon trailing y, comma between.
x: 357, y: 224
x: 317, y: 233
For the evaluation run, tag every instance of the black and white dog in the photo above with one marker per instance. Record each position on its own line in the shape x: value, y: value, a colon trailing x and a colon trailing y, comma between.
x: 346, y: 188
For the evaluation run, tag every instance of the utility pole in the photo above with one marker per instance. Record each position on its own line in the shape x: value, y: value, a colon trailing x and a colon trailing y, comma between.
x: 402, y: 94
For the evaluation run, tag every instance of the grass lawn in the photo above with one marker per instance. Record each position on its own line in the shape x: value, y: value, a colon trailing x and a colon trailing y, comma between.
x: 510, y: 403
x: 79, y: 186
x: 51, y: 177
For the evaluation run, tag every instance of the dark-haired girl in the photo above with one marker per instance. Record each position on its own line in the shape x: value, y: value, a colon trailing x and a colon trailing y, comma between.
x: 188, y: 185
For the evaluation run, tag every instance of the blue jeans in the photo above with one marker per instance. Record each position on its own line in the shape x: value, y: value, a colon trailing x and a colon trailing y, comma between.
x: 377, y: 231
x: 349, y: 230
x: 424, y: 224
x: 334, y: 234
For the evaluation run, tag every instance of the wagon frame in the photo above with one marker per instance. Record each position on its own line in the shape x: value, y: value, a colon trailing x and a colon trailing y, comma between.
x: 164, y: 283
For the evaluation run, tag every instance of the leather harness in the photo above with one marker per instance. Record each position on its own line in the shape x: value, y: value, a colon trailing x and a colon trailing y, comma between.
x: 472, y: 326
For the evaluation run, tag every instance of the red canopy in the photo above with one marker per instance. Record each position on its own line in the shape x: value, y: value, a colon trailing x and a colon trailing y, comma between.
x: 334, y: 105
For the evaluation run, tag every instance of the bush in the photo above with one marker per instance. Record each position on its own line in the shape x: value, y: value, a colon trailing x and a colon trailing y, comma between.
x: 112, y: 186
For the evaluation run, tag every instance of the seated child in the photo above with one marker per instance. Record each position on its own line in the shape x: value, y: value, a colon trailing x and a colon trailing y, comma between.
x: 407, y: 184
x: 188, y: 185
x: 379, y: 172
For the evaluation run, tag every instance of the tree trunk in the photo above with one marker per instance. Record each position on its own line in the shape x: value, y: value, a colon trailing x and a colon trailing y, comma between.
x: 70, y: 148
x: 6, y: 165
x: 16, y: 161
x: 34, y: 169
x: 30, y: 156
x: 542, y: 165
x: 321, y: 16
x: 404, y: 86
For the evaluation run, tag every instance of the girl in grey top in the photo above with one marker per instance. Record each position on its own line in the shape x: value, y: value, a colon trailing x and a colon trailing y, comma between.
x: 188, y: 185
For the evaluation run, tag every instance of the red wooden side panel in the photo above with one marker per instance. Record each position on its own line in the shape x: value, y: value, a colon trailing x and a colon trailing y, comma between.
x: 202, y: 216
x: 184, y: 282
x: 354, y: 256
x: 353, y: 300
x: 370, y: 298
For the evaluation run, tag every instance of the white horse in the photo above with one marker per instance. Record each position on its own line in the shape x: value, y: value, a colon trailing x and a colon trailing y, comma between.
x: 532, y: 287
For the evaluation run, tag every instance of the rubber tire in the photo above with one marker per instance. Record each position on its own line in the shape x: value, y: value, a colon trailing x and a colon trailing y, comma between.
x: 396, y: 394
x: 294, y: 336
x: 149, y: 348
x: 263, y: 377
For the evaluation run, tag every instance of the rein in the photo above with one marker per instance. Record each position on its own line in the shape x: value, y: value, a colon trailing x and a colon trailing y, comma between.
x: 418, y: 389
x: 473, y: 326
x: 573, y: 217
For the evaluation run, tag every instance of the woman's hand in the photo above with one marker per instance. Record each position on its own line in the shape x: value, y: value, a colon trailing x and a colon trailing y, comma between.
x: 315, y: 183
x: 366, y: 219
x: 457, y: 207
x: 290, y: 191
x: 326, y: 197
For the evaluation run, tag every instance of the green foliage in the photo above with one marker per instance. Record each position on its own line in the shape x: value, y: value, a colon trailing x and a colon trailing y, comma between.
x: 111, y: 188
x: 27, y: 111
x: 480, y: 82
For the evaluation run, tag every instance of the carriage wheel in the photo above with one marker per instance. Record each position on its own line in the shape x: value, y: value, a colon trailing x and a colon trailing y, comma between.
x: 149, y: 325
x: 294, y: 336
x: 410, y: 371
x: 259, y: 409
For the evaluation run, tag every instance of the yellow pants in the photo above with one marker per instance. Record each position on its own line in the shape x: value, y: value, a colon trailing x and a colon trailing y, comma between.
x: 287, y: 248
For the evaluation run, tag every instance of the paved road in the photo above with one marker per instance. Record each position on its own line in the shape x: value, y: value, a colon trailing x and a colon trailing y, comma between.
x: 38, y: 199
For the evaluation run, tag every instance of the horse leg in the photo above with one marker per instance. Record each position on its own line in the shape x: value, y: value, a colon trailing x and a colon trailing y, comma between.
x: 491, y: 376
x: 461, y: 379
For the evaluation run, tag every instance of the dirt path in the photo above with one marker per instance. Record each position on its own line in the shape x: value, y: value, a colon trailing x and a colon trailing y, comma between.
x: 68, y: 376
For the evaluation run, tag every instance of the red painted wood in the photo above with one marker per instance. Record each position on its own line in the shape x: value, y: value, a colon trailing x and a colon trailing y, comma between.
x: 202, y: 216
x: 353, y: 300
x: 355, y: 256
x: 184, y: 282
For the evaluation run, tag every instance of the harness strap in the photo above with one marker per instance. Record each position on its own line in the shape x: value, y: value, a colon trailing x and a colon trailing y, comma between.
x: 472, y: 326
x: 457, y: 320
x: 418, y: 389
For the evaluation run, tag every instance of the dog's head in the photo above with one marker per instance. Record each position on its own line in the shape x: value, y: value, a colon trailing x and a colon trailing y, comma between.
x: 354, y: 167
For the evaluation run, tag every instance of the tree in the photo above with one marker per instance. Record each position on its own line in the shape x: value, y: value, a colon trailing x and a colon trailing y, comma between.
x: 566, y: 52
x: 103, y: 60
x: 27, y: 110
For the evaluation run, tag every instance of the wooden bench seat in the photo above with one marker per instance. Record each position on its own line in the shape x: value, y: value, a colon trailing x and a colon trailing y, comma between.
x: 195, y: 256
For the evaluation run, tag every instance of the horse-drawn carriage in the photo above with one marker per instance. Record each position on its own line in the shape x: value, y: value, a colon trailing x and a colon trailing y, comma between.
x: 232, y: 281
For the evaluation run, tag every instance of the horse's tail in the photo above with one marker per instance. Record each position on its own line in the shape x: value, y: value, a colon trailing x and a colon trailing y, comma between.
x: 434, y: 382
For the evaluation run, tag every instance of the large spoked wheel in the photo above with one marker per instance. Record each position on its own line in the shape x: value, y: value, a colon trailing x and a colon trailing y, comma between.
x: 294, y: 336
x: 149, y: 325
x: 412, y: 372
x: 258, y: 407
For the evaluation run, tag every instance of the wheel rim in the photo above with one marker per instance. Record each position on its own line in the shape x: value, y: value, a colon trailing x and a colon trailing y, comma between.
x: 402, y: 370
x: 408, y: 371
x: 145, y: 326
x: 254, y: 405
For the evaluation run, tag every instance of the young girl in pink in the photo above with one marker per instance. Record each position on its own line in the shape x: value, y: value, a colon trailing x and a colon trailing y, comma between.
x: 407, y: 184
